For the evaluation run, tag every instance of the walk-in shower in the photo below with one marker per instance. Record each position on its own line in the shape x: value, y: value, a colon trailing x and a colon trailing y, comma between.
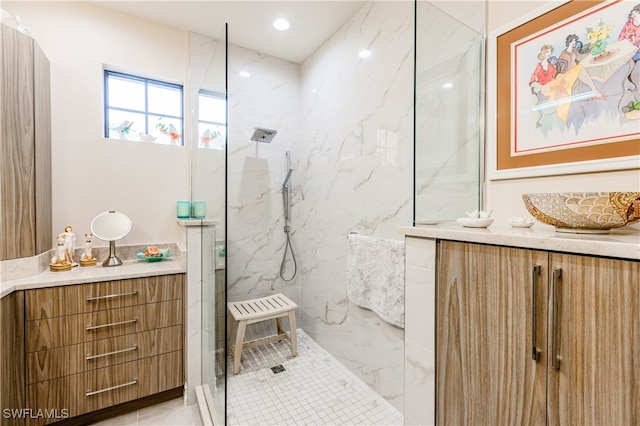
x: 286, y: 207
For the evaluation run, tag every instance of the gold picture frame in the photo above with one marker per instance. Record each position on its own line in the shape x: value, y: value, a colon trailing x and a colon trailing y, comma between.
x: 509, y: 71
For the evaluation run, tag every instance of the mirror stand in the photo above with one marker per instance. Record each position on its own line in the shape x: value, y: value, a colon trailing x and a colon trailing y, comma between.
x: 112, y: 260
x: 111, y: 226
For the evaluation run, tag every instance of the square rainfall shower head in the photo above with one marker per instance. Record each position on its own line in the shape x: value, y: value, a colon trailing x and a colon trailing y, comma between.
x: 263, y: 135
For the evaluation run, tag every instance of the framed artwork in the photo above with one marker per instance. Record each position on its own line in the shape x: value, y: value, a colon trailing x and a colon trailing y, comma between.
x: 565, y: 88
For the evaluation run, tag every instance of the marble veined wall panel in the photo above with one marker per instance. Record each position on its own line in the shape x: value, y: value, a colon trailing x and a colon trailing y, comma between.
x: 263, y: 92
x: 356, y: 162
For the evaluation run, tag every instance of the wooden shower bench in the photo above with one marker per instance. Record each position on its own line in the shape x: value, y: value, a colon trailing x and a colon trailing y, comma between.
x: 251, y: 311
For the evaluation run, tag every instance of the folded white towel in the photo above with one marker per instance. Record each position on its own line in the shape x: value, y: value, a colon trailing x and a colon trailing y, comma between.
x: 375, y: 276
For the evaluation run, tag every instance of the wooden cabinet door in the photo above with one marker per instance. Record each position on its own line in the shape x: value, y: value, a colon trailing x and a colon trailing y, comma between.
x: 42, y: 151
x: 17, y: 163
x: 597, y: 338
x: 25, y: 147
x: 485, y: 371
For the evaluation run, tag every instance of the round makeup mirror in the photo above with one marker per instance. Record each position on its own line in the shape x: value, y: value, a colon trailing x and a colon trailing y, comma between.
x: 111, y: 226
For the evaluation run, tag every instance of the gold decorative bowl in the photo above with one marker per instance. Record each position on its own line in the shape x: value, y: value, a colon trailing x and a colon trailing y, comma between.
x: 584, y: 212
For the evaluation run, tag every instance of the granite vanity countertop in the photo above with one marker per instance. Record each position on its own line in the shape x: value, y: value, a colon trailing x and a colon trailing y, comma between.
x: 89, y: 274
x: 623, y: 243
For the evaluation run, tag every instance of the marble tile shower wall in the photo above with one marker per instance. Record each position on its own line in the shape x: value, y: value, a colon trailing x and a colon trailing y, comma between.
x: 348, y: 123
x: 357, y: 124
x: 263, y: 92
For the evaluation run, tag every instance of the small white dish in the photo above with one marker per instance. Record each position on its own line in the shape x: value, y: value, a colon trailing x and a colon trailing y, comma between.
x: 479, y: 214
x: 474, y: 223
x: 521, y: 222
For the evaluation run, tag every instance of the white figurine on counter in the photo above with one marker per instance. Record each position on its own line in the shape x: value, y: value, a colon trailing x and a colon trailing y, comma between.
x: 87, y: 259
x: 87, y: 253
x: 60, y: 257
x: 69, y: 243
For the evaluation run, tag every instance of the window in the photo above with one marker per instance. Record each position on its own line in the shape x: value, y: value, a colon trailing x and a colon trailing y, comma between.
x: 142, y: 109
x: 212, y: 123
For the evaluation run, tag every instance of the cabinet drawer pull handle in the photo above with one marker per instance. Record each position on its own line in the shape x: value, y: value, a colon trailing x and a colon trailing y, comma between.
x: 132, y: 348
x: 95, y: 327
x: 535, y: 352
x: 555, y: 360
x: 133, y: 382
x: 109, y: 296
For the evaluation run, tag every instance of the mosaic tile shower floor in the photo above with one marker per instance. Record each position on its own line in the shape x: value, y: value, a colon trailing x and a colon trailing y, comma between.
x: 314, y: 389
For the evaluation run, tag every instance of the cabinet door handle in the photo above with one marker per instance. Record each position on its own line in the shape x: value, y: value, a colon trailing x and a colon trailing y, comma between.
x: 95, y: 327
x: 132, y: 348
x: 535, y: 352
x: 556, y: 277
x: 109, y: 296
x: 133, y: 382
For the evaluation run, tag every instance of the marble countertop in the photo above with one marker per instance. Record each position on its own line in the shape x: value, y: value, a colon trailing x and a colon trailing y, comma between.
x: 82, y: 275
x: 621, y: 243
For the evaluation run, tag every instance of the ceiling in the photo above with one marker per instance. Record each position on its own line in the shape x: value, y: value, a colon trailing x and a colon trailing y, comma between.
x: 250, y: 22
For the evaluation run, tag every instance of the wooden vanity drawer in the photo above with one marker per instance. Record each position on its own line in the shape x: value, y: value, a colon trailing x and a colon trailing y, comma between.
x: 115, y: 322
x: 62, y: 395
x: 136, y: 291
x: 74, y: 299
x: 53, y: 332
x: 110, y: 295
x: 109, y: 386
x: 159, y: 315
x: 159, y: 341
x: 85, y: 392
x: 111, y: 323
x: 53, y: 363
x: 107, y: 352
x: 161, y: 288
x: 53, y: 302
x: 160, y: 373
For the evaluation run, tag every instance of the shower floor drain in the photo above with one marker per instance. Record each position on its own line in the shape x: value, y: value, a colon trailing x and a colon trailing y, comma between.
x: 278, y: 369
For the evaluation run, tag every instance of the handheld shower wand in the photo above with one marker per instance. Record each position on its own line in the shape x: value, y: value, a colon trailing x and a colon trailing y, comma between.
x: 285, y: 194
x: 286, y: 205
x: 285, y: 184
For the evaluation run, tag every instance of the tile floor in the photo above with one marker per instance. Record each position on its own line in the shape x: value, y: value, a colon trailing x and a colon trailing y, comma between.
x: 168, y: 413
x: 314, y: 389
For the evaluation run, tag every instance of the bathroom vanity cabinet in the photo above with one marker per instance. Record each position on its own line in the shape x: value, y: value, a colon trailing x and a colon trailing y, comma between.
x: 25, y: 147
x: 90, y: 347
x: 530, y: 336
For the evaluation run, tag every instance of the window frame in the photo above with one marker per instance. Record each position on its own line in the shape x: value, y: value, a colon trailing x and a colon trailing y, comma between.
x: 147, y: 113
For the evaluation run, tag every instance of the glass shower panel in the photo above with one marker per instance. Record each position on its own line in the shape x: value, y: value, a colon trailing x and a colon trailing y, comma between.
x: 448, y: 111
x: 208, y: 75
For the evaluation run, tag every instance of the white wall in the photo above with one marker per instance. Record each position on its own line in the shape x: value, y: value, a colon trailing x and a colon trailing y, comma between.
x: 92, y: 174
x: 504, y: 195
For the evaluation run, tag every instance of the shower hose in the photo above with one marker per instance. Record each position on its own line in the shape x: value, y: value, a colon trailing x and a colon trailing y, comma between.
x: 287, y: 246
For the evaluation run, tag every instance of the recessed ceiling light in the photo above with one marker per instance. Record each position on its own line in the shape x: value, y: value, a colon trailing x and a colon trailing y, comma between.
x: 281, y: 24
x: 447, y: 85
x: 244, y: 74
x: 364, y: 54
